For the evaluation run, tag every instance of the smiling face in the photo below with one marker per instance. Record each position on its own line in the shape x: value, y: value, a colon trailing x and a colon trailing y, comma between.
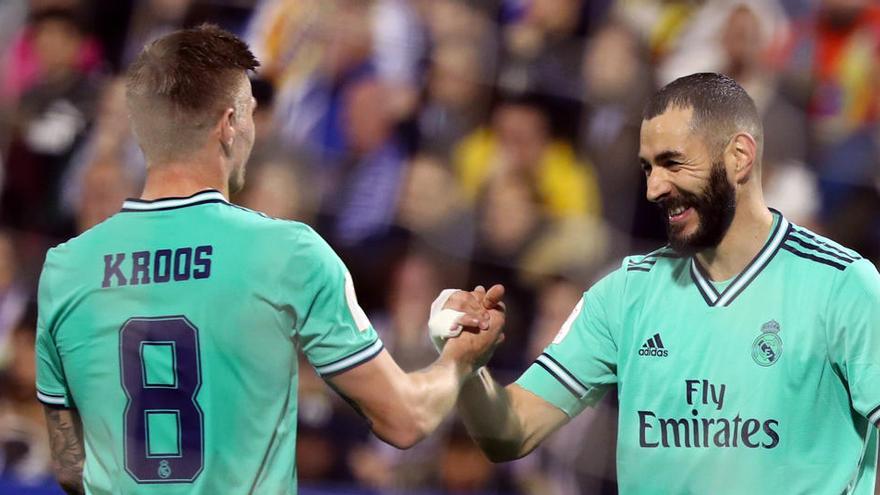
x: 688, y: 180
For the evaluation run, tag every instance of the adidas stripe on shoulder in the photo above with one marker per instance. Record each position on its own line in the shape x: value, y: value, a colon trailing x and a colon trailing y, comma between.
x: 562, y: 375
x: 807, y: 245
x: 645, y: 262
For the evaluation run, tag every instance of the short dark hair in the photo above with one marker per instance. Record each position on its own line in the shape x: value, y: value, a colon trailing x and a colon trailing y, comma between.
x: 721, y: 106
x: 179, y: 84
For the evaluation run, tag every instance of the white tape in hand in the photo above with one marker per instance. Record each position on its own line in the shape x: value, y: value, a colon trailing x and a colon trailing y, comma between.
x: 443, y: 323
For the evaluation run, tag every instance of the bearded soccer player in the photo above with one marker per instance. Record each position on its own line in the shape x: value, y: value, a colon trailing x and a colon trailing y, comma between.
x: 168, y: 335
x: 746, y: 353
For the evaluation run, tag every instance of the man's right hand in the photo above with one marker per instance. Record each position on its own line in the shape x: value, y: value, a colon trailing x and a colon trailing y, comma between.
x: 474, y: 346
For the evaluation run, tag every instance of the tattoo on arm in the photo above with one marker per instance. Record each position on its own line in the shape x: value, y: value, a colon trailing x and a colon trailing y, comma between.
x: 68, y: 452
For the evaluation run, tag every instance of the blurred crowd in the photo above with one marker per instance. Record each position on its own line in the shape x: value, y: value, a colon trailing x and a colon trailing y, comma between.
x: 433, y: 143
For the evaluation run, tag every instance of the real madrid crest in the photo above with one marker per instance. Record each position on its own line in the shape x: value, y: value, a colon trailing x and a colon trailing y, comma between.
x: 767, y: 348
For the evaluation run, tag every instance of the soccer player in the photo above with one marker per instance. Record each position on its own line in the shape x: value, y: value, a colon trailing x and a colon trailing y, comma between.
x: 168, y: 334
x: 746, y: 353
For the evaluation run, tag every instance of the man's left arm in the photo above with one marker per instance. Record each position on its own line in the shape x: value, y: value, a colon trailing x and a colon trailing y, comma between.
x: 66, y: 443
x: 62, y: 417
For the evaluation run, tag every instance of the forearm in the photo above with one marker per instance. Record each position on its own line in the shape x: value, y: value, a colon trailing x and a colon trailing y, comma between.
x: 403, y: 407
x: 491, y: 419
x: 433, y: 393
x: 68, y: 455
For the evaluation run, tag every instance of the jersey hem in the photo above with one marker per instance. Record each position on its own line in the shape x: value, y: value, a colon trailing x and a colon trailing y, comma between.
x: 351, y: 361
x: 874, y: 416
x: 49, y: 399
x: 562, y: 375
x: 554, y: 392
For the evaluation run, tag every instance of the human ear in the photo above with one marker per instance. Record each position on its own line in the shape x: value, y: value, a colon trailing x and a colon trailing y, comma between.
x: 226, y: 130
x: 743, y: 150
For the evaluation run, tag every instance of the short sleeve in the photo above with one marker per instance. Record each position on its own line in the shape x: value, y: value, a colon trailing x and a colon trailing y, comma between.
x: 576, y: 369
x: 334, y: 332
x: 51, y: 382
x: 854, y: 335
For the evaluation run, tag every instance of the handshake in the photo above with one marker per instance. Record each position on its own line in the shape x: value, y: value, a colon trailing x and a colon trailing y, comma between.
x: 466, y: 327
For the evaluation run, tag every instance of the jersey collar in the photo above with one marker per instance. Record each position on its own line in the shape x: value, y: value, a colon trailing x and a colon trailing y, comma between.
x: 201, y: 197
x: 750, y: 273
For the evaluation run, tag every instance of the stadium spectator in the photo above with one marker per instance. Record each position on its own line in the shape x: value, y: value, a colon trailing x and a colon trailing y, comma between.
x: 14, y: 295
x: 617, y: 82
x: 338, y: 49
x: 364, y: 203
x: 455, y: 98
x: 433, y: 208
x: 51, y: 42
x: 52, y: 118
x: 109, y: 139
x: 730, y: 36
x: 105, y: 184
x: 519, y: 142
x: 24, y: 452
x: 278, y: 189
x: 830, y: 68
x: 541, y: 47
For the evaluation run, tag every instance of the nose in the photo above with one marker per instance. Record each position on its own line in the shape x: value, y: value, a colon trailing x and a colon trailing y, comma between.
x: 658, y: 185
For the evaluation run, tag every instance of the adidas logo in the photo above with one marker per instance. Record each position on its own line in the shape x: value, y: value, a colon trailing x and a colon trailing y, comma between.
x: 654, y: 347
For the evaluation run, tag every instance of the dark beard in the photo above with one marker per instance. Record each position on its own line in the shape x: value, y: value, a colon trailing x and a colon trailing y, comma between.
x: 715, y: 208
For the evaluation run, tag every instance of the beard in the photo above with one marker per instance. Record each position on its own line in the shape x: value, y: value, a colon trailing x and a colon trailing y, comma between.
x: 715, y: 208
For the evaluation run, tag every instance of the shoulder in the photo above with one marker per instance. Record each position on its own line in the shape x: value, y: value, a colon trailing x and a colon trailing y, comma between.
x: 263, y: 227
x: 303, y: 245
x: 816, y: 252
x: 635, y: 273
x: 300, y: 240
x: 847, y: 275
x: 85, y: 241
x: 647, y: 263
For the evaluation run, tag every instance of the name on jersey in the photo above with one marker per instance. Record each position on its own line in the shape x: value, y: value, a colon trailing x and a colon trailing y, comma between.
x: 157, y: 267
x: 698, y: 431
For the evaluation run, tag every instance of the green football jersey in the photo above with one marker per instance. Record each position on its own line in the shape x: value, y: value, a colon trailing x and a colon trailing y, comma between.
x: 763, y: 384
x: 173, y: 327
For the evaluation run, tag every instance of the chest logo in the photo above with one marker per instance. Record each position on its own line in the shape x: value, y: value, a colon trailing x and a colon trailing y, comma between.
x: 654, y: 347
x: 767, y: 348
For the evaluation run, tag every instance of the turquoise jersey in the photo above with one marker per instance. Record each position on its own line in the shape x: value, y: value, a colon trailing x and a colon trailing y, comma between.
x: 173, y: 327
x: 763, y: 384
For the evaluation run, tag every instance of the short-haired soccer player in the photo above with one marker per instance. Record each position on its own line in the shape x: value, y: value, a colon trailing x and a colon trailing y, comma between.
x: 168, y: 334
x: 746, y: 353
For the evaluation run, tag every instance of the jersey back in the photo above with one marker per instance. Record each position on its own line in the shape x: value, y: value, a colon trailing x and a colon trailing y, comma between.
x: 173, y: 327
x: 760, y: 384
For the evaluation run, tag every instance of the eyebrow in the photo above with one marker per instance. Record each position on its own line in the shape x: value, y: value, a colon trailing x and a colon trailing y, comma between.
x: 662, y: 157
x: 668, y: 155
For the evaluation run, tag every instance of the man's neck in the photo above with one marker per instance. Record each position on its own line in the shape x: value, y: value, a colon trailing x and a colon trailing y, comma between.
x: 181, y: 180
x: 744, y: 239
